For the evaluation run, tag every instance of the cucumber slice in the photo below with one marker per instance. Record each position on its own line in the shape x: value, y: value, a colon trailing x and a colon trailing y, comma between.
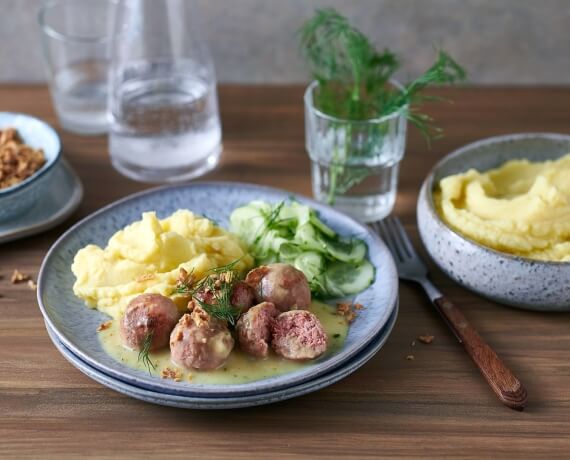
x: 295, y: 215
x: 290, y: 251
x: 307, y: 237
x: 321, y: 226
x: 311, y: 264
x: 247, y: 221
x: 346, y: 279
x: 352, y: 251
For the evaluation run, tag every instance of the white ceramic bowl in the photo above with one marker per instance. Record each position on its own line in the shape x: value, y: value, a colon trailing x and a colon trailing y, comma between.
x: 507, y: 279
x: 34, y: 132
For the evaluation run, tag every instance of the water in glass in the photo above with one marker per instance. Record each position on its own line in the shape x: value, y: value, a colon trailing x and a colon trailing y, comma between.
x: 80, y: 96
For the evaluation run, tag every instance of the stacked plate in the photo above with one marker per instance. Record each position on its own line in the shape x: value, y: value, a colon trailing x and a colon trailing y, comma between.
x: 73, y: 327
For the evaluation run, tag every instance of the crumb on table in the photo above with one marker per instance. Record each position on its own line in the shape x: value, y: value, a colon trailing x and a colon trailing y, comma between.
x: 426, y: 339
x: 19, y: 277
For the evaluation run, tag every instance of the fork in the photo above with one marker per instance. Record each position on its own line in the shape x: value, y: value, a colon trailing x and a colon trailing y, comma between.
x: 500, y: 378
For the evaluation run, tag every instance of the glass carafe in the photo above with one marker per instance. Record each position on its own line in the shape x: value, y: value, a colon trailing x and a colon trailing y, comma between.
x: 165, y: 124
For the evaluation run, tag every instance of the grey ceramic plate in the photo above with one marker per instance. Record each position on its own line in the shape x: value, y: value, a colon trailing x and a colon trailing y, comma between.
x: 62, y: 198
x: 75, y: 324
x: 189, y: 402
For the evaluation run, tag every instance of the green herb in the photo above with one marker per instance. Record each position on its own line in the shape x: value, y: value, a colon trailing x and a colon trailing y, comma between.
x: 144, y: 353
x: 270, y: 222
x: 220, y: 282
x: 354, y: 84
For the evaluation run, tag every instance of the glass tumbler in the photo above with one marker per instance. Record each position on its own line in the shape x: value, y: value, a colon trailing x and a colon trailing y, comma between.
x: 76, y: 38
x: 165, y: 124
x: 354, y: 163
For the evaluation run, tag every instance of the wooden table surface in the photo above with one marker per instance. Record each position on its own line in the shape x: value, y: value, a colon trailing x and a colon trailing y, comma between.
x: 436, y: 405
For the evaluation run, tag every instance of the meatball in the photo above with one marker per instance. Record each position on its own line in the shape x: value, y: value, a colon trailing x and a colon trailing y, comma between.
x: 243, y: 296
x: 148, y: 315
x: 200, y: 342
x: 254, y: 329
x: 281, y: 284
x: 299, y: 335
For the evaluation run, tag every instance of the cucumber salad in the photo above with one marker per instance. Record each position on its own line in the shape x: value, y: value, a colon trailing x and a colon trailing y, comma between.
x: 293, y: 233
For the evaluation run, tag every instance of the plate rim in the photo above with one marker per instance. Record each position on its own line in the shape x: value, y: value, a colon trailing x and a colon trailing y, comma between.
x: 157, y: 384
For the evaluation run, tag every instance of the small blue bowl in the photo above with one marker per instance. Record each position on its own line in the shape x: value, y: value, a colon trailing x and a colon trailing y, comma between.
x: 34, y: 132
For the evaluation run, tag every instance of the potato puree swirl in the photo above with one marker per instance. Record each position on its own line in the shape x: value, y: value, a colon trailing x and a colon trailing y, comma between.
x: 520, y: 208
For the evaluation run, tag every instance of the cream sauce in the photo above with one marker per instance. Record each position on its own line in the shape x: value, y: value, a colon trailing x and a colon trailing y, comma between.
x: 240, y: 367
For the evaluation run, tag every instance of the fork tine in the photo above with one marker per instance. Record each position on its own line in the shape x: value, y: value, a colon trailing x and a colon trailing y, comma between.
x: 405, y: 237
x: 399, y: 235
x: 388, y: 238
x: 393, y: 232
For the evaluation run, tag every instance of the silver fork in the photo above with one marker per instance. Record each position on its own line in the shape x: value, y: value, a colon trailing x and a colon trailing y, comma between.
x: 504, y: 383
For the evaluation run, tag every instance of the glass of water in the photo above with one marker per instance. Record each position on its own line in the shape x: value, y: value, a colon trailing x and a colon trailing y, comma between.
x: 76, y: 38
x: 354, y: 163
x: 165, y: 124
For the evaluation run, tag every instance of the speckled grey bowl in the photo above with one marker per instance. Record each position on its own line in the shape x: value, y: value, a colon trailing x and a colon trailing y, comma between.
x: 507, y: 279
x: 20, y: 198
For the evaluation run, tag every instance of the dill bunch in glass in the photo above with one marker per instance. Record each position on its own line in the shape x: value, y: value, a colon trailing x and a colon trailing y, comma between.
x: 354, y: 76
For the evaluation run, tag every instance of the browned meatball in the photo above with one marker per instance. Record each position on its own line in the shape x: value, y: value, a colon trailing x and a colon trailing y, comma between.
x: 254, y: 329
x: 299, y: 335
x: 200, y: 342
x: 148, y: 314
x: 281, y: 284
x: 243, y: 296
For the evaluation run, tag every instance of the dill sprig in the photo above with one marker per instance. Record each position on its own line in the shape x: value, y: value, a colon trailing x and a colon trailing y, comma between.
x: 144, y: 353
x: 220, y: 282
x: 353, y: 76
x: 354, y: 84
x: 269, y: 223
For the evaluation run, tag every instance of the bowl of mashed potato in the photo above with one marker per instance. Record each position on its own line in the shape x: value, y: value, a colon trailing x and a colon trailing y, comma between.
x: 495, y: 216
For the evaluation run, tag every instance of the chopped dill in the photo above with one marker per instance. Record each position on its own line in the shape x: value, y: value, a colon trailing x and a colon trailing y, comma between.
x: 270, y: 222
x: 144, y: 353
x: 220, y: 282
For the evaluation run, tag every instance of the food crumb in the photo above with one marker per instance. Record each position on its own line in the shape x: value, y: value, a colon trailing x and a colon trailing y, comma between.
x: 190, y: 377
x: 104, y: 326
x: 427, y: 339
x: 410, y: 357
x: 347, y: 309
x: 336, y: 336
x: 413, y: 344
x: 33, y: 286
x: 169, y: 373
x: 19, y: 277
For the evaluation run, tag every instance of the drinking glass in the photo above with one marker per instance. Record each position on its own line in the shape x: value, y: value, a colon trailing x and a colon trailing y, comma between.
x: 354, y: 163
x: 165, y: 125
x: 76, y: 38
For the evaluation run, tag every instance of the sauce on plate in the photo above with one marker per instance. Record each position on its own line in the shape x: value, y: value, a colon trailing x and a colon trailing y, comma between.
x: 240, y: 367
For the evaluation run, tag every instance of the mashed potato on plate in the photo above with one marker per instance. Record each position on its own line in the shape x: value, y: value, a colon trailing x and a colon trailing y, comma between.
x: 146, y: 256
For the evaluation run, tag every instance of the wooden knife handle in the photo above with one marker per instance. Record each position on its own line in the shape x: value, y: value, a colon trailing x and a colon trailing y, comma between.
x: 504, y: 383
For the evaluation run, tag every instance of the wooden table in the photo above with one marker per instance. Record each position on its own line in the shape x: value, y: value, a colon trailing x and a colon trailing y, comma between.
x: 433, y: 406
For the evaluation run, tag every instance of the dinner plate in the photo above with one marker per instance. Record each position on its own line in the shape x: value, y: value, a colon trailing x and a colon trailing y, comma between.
x: 62, y: 198
x: 193, y: 402
x: 75, y: 325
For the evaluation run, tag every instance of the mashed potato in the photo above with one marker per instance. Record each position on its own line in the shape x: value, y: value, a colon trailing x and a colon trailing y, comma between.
x: 521, y: 208
x: 146, y: 256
